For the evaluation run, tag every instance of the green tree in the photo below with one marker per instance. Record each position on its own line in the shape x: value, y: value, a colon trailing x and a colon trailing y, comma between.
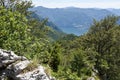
x: 13, y: 30
x: 55, y: 52
x: 103, y: 38
x: 81, y: 64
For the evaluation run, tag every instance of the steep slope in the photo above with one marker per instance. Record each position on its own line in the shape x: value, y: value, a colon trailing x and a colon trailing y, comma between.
x: 48, y: 23
x: 55, y: 33
x: 71, y: 19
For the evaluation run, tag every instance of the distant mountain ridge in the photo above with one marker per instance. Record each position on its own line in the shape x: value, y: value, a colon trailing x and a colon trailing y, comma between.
x: 54, y: 33
x: 48, y: 23
x: 73, y: 20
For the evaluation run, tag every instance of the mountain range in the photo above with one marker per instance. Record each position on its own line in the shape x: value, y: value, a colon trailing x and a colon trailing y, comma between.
x: 74, y: 20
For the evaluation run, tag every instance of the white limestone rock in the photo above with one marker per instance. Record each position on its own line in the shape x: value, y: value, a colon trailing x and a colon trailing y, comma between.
x: 12, y: 65
x: 91, y: 78
x: 37, y: 74
x: 19, y: 66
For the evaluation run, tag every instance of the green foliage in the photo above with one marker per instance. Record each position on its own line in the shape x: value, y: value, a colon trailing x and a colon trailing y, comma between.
x: 23, y: 36
x: 101, y: 38
x: 55, y: 57
x: 98, y: 49
x: 81, y: 63
x: 69, y: 37
x: 70, y: 58
x: 13, y: 30
x: 66, y: 75
x: 38, y: 28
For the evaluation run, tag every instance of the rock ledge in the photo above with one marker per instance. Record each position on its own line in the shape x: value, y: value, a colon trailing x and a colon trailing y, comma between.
x: 11, y: 66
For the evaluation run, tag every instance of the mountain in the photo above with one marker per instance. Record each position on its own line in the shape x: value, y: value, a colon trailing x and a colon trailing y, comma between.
x: 55, y: 33
x: 115, y: 11
x: 71, y: 19
x: 48, y: 23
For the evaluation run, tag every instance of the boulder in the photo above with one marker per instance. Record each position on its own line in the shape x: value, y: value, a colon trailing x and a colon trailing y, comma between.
x: 37, y: 74
x: 13, y: 66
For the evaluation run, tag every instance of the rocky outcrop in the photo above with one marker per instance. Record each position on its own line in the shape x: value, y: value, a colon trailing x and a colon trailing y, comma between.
x: 14, y: 67
x: 91, y: 78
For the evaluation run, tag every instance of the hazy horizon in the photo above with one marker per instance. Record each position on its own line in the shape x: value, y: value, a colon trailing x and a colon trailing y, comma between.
x: 75, y: 7
x: 79, y: 4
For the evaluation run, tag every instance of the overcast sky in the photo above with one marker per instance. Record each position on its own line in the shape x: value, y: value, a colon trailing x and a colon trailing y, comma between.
x: 78, y: 3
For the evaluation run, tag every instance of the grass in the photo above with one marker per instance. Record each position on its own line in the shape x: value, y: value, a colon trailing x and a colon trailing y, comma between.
x: 31, y: 66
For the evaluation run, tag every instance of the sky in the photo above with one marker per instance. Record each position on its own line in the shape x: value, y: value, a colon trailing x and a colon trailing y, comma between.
x: 78, y: 3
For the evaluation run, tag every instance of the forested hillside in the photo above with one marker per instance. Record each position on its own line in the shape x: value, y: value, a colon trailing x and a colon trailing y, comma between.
x: 94, y: 55
x: 54, y: 33
x: 72, y: 19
